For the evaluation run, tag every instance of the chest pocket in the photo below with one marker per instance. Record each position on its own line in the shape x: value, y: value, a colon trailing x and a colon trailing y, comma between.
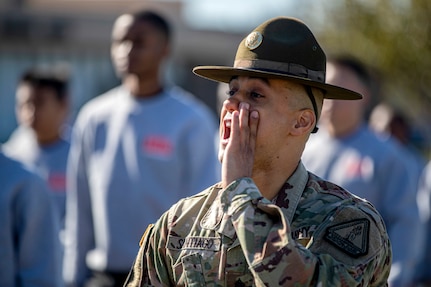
x: 194, y: 270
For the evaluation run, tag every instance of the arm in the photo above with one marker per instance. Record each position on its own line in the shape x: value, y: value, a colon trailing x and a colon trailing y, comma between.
x: 275, y: 259
x: 424, y: 198
x: 147, y: 270
x: 400, y: 210
x: 37, y: 236
x: 79, y: 236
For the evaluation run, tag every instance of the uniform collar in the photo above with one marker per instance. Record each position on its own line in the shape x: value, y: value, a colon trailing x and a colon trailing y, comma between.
x: 287, y: 200
x: 291, y: 192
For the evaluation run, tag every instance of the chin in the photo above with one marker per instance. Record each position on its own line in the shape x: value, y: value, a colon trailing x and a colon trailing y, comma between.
x: 220, y: 155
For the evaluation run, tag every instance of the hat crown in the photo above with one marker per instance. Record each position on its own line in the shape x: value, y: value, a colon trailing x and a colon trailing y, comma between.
x: 282, y: 45
x: 281, y: 48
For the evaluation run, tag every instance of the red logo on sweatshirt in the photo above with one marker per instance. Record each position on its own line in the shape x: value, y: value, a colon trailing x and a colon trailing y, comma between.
x: 57, y: 182
x: 157, y: 145
x: 357, y: 167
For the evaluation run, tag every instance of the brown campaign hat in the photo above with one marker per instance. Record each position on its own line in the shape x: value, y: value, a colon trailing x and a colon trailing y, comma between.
x: 281, y: 47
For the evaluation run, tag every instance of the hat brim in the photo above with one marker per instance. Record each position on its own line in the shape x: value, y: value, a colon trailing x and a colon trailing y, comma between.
x: 224, y: 74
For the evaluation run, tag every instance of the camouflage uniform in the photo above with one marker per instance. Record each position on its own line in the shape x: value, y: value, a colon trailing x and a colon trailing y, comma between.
x: 314, y: 233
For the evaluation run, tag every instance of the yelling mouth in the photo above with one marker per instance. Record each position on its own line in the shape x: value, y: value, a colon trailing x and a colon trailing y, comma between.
x: 227, y: 122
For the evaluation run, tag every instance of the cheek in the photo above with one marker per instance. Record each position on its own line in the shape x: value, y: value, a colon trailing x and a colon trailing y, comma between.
x: 268, y: 126
x: 49, y: 114
x: 25, y: 115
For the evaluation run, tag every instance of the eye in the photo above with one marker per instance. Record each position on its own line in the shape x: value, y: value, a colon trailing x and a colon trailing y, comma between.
x: 255, y: 95
x: 138, y: 43
x: 231, y: 93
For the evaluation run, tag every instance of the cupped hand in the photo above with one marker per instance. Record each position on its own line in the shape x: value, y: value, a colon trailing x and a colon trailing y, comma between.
x: 238, y: 157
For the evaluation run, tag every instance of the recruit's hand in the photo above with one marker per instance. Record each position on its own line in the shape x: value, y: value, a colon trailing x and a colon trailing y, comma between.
x: 238, y: 157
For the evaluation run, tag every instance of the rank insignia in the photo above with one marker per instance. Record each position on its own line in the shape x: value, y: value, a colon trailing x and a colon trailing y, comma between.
x: 351, y: 237
x: 253, y: 40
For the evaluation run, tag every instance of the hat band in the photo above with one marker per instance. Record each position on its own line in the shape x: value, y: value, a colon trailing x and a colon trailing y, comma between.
x: 283, y: 68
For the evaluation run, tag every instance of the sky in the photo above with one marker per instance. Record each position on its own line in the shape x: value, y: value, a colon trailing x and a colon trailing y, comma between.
x: 241, y: 15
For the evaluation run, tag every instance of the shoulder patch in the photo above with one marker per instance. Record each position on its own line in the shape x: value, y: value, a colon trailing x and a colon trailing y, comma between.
x: 351, y: 237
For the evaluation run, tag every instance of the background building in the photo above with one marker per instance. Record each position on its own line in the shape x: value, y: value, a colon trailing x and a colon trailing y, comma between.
x: 393, y: 36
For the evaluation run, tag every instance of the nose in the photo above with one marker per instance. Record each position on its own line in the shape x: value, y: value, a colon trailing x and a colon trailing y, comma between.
x: 125, y: 47
x: 29, y: 108
x: 231, y: 104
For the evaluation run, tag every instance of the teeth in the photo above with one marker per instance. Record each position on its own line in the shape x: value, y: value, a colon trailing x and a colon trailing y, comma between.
x: 227, y: 126
x: 227, y: 120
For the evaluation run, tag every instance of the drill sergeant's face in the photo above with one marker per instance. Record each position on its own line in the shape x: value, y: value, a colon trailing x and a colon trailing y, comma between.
x: 280, y: 104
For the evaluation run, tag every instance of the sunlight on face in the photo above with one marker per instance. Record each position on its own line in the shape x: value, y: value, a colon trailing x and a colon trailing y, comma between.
x: 39, y: 109
x: 342, y: 115
x: 278, y: 103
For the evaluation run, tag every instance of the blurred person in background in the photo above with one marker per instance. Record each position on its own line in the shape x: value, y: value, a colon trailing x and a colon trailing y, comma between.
x: 389, y: 121
x: 135, y: 150
x: 30, y: 251
x: 347, y: 152
x: 423, y: 271
x: 41, y: 140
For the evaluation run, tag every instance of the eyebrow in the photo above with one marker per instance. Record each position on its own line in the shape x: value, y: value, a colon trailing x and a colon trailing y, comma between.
x: 265, y: 80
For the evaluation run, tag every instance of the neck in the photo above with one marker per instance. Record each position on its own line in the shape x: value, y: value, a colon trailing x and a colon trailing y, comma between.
x: 270, y: 181
x: 143, y: 87
x: 48, y: 140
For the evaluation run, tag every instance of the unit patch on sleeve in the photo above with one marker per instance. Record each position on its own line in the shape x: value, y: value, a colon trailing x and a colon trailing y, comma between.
x: 351, y: 237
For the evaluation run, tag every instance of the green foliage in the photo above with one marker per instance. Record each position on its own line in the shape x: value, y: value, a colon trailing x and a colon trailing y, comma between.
x: 394, y: 37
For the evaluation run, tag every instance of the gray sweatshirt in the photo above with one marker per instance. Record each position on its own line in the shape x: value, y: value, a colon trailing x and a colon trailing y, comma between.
x: 129, y: 161
x: 29, y: 243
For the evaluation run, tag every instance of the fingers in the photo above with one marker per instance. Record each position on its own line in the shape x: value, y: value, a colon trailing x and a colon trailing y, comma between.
x: 244, y: 126
x: 238, y: 158
x: 254, y: 120
x: 244, y: 131
x: 244, y: 123
x: 240, y: 125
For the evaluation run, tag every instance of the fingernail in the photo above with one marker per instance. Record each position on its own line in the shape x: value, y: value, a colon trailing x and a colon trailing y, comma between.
x: 244, y: 105
x: 255, y: 114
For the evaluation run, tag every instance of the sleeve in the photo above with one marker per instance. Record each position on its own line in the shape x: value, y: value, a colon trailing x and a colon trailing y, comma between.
x: 37, y: 236
x: 139, y: 269
x: 424, y: 198
x: 149, y: 266
x: 79, y: 234
x: 400, y: 211
x: 275, y: 259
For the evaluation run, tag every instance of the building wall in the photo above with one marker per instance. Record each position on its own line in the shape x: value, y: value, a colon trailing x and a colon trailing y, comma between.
x: 77, y: 34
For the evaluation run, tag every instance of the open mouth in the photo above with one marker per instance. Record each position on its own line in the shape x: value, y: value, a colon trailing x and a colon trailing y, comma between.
x: 227, y: 123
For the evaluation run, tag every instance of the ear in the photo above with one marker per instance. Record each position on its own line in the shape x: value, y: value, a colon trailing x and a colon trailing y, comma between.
x: 305, y: 122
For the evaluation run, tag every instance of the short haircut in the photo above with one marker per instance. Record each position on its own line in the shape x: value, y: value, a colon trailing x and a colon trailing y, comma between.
x: 52, y: 79
x: 367, y: 75
x: 155, y: 19
x: 357, y: 67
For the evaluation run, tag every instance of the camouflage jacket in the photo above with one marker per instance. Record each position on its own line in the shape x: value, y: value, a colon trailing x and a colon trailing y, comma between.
x: 314, y: 233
